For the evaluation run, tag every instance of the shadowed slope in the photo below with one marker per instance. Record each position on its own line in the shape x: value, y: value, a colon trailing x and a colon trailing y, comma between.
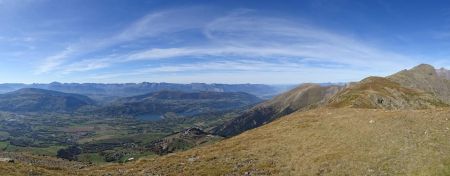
x: 303, y: 97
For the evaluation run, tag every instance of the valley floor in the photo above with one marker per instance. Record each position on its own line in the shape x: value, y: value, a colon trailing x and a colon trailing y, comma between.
x: 340, y: 141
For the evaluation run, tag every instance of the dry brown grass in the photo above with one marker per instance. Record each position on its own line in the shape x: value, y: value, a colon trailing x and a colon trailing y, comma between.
x: 319, y: 142
x: 368, y: 92
x: 18, y: 169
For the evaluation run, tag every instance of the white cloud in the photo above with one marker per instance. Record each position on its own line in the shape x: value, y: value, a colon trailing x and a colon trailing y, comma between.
x: 151, y: 25
x: 86, y: 65
x: 163, y: 22
x: 243, y: 71
x: 54, y: 61
x: 241, y: 34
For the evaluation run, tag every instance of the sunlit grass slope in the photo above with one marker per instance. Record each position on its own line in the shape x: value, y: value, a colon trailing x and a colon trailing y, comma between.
x: 319, y: 142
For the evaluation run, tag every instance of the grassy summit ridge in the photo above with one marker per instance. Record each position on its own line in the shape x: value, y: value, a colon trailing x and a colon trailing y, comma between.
x: 382, y: 93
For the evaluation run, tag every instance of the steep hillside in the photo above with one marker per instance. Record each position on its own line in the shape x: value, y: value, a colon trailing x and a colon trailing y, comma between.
x: 39, y: 100
x: 443, y: 73
x: 319, y: 142
x: 165, y: 104
x: 378, y: 92
x: 418, y: 88
x: 425, y: 77
x: 301, y: 98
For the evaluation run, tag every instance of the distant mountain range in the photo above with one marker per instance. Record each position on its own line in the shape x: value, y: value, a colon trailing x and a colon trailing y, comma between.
x: 151, y: 106
x: 109, y: 92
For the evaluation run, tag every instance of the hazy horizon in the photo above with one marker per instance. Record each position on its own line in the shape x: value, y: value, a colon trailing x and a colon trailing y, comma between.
x: 164, y: 83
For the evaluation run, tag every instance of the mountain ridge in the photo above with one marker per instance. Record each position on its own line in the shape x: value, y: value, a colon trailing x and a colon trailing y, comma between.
x: 424, y: 77
x: 108, y: 92
x: 383, y: 93
x: 418, y: 88
x: 304, y: 97
x: 41, y: 100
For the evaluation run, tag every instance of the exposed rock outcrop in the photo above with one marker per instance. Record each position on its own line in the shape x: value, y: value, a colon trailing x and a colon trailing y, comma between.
x: 425, y: 77
x: 182, y: 140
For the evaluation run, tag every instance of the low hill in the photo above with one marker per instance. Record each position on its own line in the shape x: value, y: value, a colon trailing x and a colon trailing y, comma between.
x: 303, y: 97
x: 39, y: 100
x: 166, y: 104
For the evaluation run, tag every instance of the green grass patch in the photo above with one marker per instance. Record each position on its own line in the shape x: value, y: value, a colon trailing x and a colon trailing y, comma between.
x: 47, y: 151
x: 94, y: 158
x: 4, y: 145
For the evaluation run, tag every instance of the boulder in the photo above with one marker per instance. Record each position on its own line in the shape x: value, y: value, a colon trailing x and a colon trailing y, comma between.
x: 9, y: 160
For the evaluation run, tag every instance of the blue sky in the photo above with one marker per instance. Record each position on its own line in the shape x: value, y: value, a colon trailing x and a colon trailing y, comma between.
x: 229, y: 41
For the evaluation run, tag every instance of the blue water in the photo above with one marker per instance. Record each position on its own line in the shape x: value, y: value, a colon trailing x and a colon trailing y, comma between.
x: 150, y: 117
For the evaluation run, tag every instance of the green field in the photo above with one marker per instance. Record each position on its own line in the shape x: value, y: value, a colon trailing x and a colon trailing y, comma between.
x: 3, y: 145
x: 100, y: 139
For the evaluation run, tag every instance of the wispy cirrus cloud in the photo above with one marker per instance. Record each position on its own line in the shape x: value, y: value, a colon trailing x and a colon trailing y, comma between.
x: 226, y: 71
x: 240, y: 34
x: 149, y: 26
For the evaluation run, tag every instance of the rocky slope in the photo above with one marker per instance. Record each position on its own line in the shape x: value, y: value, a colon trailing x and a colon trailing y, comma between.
x: 443, y: 73
x: 425, y: 77
x: 382, y: 93
x: 182, y: 140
